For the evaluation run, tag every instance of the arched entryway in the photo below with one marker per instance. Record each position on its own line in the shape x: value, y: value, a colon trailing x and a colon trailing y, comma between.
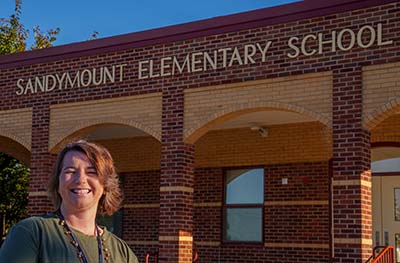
x: 15, y: 149
x: 262, y: 186
x: 14, y: 179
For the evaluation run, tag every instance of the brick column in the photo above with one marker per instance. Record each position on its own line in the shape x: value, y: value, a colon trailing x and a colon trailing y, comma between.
x: 41, y: 162
x: 176, y: 184
x: 352, y: 205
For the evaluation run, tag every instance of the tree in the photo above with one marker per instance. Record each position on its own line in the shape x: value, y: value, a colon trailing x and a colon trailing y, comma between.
x: 14, y: 176
x: 14, y: 180
x: 13, y: 34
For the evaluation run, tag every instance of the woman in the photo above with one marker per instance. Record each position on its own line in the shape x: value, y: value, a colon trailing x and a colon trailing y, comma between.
x: 83, y: 184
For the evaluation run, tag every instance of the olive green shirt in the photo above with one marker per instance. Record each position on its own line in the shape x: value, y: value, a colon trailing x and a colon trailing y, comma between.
x: 42, y: 240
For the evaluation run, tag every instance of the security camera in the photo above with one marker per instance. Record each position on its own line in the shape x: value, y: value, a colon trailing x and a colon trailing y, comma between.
x: 261, y: 130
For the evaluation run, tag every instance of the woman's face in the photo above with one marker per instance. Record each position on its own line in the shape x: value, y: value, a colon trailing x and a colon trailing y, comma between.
x: 79, y: 187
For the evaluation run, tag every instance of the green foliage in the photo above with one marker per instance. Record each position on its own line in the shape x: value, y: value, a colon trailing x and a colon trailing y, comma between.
x: 14, y: 176
x: 13, y: 34
x: 14, y: 180
x: 44, y: 39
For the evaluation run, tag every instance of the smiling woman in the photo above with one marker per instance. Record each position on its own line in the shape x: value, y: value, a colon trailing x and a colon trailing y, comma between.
x: 84, y: 183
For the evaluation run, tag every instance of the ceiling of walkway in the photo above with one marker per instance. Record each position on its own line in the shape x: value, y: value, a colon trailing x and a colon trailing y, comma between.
x: 261, y: 118
x: 264, y: 118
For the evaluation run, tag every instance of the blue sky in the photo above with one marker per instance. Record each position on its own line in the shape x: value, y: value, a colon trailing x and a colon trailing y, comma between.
x: 79, y: 19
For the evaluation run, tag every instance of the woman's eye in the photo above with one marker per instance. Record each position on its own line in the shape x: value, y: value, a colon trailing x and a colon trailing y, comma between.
x: 92, y: 173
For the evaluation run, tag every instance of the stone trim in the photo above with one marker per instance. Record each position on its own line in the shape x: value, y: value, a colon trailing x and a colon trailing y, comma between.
x: 39, y: 193
x: 362, y: 241
x: 176, y: 238
x: 208, y: 243
x: 153, y: 205
x: 297, y: 245
x: 143, y: 243
x: 288, y: 203
x: 176, y: 188
x: 208, y: 204
x: 351, y: 182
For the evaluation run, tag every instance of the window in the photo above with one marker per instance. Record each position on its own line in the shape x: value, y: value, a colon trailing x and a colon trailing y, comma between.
x: 397, y: 204
x: 244, y: 204
x: 385, y: 159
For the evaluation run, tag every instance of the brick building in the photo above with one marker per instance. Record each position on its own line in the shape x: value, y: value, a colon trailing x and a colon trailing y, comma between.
x: 247, y: 137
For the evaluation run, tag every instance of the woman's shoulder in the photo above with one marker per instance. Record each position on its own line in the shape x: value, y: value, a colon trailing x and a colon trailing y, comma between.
x: 35, y: 222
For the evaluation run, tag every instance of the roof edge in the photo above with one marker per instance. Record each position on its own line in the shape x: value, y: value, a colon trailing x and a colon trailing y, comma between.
x: 218, y: 25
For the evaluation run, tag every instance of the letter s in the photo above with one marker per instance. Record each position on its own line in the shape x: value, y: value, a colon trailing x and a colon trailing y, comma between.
x: 296, y: 49
x: 20, y: 87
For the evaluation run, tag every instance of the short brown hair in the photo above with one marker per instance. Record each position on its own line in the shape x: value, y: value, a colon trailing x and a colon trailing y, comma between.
x: 101, y: 159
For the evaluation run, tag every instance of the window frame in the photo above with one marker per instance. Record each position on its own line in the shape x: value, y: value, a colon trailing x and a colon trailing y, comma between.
x: 225, y: 206
x: 397, y: 247
x: 396, y: 219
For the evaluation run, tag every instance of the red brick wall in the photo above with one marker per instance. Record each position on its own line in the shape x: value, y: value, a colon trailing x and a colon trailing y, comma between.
x: 141, y: 224
x: 256, y: 254
x: 297, y: 223
x: 141, y: 187
x: 209, y: 185
x: 39, y: 205
x: 289, y: 223
x: 283, y: 224
x: 306, y: 224
x: 306, y: 181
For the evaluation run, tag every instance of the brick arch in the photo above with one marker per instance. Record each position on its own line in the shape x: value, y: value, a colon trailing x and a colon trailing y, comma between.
x: 373, y: 119
x: 87, y: 126
x: 15, y: 147
x: 16, y: 138
x: 207, y: 122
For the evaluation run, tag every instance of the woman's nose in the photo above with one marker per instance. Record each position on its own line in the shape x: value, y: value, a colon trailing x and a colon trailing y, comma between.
x: 80, y: 176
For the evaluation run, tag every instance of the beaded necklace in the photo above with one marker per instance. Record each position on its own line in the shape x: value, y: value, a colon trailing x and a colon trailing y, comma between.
x: 74, y: 241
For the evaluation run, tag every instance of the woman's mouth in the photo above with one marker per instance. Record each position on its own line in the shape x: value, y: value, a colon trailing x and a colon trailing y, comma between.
x: 81, y: 191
